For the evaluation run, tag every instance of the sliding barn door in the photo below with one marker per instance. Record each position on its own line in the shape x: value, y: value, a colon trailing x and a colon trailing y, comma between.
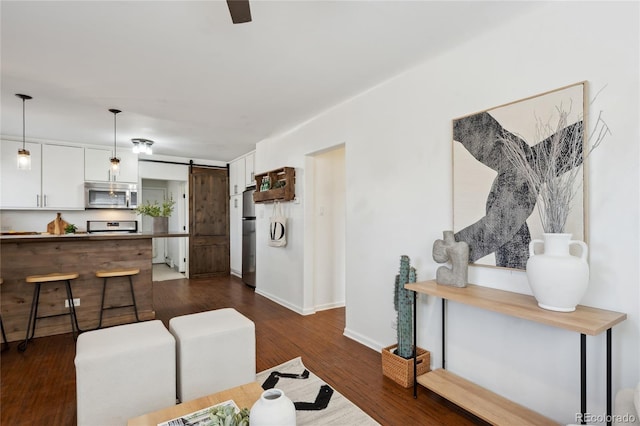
x: 209, y: 242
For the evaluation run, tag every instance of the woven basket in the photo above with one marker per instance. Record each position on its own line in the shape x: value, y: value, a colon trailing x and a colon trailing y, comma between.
x: 400, y: 370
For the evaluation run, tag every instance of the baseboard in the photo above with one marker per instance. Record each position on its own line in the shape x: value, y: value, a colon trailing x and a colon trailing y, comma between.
x: 284, y: 303
x: 236, y: 273
x: 363, y: 340
x: 328, y: 306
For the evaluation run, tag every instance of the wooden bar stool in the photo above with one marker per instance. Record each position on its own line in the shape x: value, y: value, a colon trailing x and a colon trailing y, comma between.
x: 113, y: 273
x: 5, y: 343
x: 38, y: 280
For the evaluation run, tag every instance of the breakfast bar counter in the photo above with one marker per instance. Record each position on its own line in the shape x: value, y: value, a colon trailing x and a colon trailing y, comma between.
x: 24, y: 255
x: 98, y: 236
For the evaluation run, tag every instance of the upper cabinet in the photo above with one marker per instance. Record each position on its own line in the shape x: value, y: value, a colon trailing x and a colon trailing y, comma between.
x: 55, y: 181
x: 62, y: 177
x: 249, y: 170
x: 20, y: 188
x: 96, y: 166
x: 236, y: 177
x: 241, y: 174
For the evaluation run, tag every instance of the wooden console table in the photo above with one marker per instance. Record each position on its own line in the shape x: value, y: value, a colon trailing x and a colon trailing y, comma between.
x: 484, y: 403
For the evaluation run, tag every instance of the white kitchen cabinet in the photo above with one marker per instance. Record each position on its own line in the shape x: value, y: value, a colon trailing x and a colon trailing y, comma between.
x: 128, y: 167
x: 55, y: 181
x: 96, y: 164
x: 20, y: 188
x: 249, y: 169
x: 235, y: 234
x: 97, y: 161
x: 236, y: 177
x: 62, y: 177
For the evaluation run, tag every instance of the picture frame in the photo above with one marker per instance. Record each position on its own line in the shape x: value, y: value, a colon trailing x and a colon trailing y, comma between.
x: 494, y: 211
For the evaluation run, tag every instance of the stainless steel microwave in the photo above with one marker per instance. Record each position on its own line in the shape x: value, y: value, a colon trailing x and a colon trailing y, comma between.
x: 110, y: 195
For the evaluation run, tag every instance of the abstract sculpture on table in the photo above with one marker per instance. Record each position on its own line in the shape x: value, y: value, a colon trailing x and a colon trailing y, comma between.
x: 403, y: 303
x: 448, y: 249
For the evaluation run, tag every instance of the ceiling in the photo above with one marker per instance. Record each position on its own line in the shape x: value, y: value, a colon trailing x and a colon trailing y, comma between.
x: 199, y: 86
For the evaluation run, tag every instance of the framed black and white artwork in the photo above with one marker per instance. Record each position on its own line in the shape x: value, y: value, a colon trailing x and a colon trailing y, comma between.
x: 494, y: 209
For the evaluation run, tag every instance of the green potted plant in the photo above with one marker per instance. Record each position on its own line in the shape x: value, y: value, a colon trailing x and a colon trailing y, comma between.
x: 159, y: 213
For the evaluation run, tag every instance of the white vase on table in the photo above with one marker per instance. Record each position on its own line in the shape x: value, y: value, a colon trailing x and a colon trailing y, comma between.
x: 273, y: 408
x: 558, y: 279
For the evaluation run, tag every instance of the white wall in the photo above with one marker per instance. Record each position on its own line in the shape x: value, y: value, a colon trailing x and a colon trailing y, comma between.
x: 398, y: 201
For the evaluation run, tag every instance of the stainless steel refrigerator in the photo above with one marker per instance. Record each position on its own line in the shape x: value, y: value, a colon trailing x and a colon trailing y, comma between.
x: 248, y: 238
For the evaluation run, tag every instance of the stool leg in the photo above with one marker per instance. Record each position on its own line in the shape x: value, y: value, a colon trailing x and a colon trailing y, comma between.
x: 75, y: 330
x: 32, y: 318
x: 133, y: 298
x: 104, y: 289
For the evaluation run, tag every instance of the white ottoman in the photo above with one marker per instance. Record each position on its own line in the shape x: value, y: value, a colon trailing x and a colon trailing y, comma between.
x: 216, y: 350
x: 124, y: 371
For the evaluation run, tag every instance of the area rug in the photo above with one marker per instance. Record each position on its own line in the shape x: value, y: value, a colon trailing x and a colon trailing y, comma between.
x: 316, y: 402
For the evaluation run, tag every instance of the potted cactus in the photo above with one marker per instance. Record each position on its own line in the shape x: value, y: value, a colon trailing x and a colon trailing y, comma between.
x: 397, y: 360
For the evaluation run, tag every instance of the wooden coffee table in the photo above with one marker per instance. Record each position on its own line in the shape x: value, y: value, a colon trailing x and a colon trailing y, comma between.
x: 244, y: 396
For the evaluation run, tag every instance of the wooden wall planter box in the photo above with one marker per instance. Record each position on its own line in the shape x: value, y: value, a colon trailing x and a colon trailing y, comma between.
x: 400, y: 370
x: 284, y: 176
x: 270, y: 195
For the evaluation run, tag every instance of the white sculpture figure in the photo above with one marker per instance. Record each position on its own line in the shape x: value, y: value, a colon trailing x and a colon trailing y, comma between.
x: 457, y: 253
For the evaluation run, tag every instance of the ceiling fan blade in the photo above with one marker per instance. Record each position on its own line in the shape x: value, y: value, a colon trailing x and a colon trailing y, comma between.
x: 239, y: 10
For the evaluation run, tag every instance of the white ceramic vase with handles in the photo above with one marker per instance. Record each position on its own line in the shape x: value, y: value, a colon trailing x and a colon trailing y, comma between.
x: 273, y: 408
x: 557, y: 278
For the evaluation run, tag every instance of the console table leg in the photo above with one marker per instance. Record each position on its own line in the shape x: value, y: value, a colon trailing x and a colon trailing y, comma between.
x: 444, y: 316
x: 609, y: 395
x: 583, y: 378
x: 415, y: 345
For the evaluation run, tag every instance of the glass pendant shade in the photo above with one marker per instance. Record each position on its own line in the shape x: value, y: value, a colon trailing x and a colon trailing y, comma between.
x: 24, y: 156
x: 24, y: 159
x: 115, y: 166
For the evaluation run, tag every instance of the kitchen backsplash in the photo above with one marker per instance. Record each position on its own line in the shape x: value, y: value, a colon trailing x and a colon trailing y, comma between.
x: 36, y: 221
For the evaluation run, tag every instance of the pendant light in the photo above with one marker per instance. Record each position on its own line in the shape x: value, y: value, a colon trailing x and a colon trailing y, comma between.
x: 142, y: 146
x: 24, y: 156
x: 115, y: 161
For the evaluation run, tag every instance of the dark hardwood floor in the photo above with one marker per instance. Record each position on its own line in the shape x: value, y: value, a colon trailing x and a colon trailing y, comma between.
x: 38, y: 386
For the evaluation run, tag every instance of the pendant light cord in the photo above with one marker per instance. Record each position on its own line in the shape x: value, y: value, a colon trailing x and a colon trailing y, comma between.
x: 24, y: 98
x: 115, y: 155
x: 115, y: 112
x: 23, y: 124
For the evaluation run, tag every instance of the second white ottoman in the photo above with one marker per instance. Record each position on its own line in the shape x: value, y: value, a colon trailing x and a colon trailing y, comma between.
x: 124, y: 371
x: 216, y: 350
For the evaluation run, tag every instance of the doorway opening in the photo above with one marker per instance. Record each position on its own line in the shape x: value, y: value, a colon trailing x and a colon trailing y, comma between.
x: 328, y: 227
x: 171, y: 252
